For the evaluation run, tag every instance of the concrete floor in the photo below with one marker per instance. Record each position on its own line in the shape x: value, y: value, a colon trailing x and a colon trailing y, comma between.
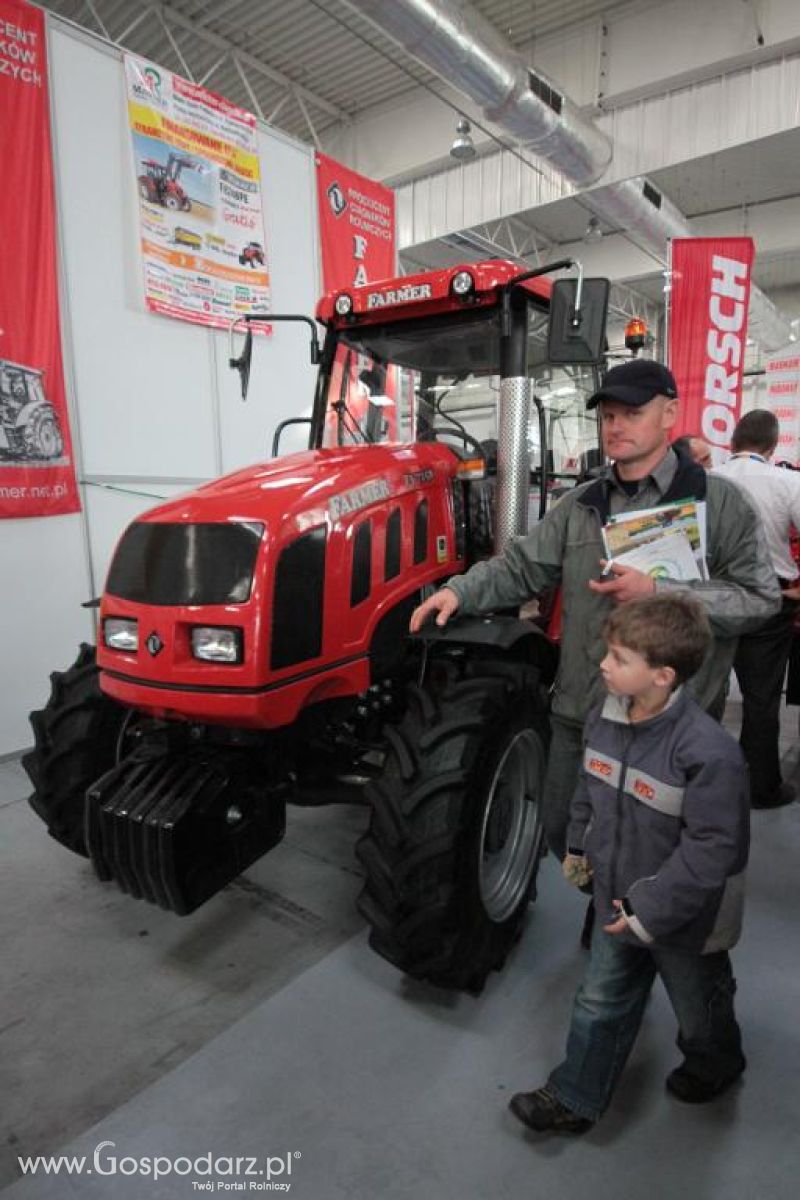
x: 101, y: 994
x: 261, y: 1024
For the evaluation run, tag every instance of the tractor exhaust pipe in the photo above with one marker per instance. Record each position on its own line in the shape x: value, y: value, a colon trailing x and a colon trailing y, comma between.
x: 514, y: 410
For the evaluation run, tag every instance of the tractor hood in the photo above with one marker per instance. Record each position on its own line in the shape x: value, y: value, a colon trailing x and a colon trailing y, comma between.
x: 313, y: 487
x: 308, y: 567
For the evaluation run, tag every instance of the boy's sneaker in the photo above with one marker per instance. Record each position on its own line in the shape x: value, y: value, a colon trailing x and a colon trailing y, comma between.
x: 541, y: 1111
x: 693, y: 1090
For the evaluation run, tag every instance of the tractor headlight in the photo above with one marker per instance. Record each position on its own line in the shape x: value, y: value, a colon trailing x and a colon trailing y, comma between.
x: 462, y: 284
x: 343, y: 304
x: 213, y: 643
x: 120, y: 633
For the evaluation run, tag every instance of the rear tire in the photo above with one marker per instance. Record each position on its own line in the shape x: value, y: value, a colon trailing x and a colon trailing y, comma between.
x: 454, y: 842
x: 42, y: 435
x: 75, y: 742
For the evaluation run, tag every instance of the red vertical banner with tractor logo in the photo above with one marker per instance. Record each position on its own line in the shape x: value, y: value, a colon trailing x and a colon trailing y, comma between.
x: 36, y: 473
x: 708, y: 335
x: 357, y: 240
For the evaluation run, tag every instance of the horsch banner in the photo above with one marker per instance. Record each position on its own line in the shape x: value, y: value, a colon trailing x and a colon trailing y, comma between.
x: 200, y: 211
x: 356, y: 227
x: 36, y: 474
x: 708, y: 334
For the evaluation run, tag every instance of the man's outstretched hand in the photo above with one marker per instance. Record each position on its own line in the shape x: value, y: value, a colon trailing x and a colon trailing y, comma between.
x: 442, y: 604
x: 624, y: 583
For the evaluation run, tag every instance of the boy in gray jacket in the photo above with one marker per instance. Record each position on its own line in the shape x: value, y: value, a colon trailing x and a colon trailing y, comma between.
x: 660, y: 826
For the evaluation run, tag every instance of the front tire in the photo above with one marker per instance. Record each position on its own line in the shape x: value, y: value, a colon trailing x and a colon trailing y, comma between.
x: 76, y: 736
x: 454, y: 843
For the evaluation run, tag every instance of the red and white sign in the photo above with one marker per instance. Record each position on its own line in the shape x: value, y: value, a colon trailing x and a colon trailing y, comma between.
x: 708, y: 334
x: 356, y: 227
x: 36, y: 474
x: 783, y: 398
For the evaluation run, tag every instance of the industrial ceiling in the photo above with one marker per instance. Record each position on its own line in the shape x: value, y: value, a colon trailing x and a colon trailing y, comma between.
x: 302, y: 65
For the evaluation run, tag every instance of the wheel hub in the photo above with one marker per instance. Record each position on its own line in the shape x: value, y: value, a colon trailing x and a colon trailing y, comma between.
x: 511, y: 830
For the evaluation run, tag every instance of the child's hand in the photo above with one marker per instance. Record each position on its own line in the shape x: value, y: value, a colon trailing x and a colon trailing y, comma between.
x: 621, y: 924
x: 577, y: 870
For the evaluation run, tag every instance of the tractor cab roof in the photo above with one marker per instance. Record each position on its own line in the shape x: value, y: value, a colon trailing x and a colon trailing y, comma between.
x: 426, y: 294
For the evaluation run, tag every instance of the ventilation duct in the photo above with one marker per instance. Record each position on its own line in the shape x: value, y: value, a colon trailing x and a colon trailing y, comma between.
x: 647, y: 216
x: 458, y: 45
x: 465, y: 51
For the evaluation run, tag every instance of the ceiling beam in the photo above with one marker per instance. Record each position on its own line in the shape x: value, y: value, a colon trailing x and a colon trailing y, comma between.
x: 248, y: 87
x: 176, y: 48
x: 176, y: 18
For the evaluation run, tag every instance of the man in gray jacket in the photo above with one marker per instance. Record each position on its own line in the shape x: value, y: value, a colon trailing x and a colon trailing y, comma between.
x: 638, y: 408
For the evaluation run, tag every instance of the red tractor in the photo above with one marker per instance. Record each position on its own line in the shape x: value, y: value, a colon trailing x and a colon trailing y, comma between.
x: 252, y: 255
x: 29, y: 425
x: 159, y: 184
x: 253, y: 643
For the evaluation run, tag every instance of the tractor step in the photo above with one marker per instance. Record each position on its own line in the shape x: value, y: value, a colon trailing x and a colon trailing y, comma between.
x: 175, y: 828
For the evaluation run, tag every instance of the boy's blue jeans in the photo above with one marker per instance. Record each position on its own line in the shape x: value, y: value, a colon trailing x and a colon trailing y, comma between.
x: 608, y: 1011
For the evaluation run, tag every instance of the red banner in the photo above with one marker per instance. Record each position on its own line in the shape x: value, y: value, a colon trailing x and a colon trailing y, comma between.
x: 36, y: 474
x: 708, y: 334
x: 356, y: 227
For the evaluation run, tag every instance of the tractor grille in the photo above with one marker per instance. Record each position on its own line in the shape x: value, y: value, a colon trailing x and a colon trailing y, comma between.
x: 298, y: 600
x: 185, y: 564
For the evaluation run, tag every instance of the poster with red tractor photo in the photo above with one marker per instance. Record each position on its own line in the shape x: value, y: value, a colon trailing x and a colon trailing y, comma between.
x: 201, y: 218
x: 36, y: 474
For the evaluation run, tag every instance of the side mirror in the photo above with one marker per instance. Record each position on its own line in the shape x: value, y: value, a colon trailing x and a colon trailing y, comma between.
x: 242, y: 363
x: 578, y: 324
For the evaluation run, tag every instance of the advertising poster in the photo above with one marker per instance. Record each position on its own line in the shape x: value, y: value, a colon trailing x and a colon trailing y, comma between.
x: 783, y: 399
x: 37, y: 478
x: 197, y: 173
x: 708, y: 335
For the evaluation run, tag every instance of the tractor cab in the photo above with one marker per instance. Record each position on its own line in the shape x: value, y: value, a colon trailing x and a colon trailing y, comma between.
x: 438, y: 379
x: 423, y: 358
x: 155, y: 169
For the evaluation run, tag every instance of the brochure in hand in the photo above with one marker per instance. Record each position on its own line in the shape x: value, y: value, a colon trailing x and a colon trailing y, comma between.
x: 668, y: 541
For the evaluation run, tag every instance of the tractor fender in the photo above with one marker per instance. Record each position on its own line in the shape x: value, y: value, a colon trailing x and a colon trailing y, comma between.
x: 512, y: 636
x: 27, y: 411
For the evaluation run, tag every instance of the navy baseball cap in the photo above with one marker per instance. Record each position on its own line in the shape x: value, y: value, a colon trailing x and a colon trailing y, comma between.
x: 636, y: 383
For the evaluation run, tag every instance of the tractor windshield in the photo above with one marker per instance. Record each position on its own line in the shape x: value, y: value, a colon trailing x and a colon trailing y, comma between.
x: 438, y: 378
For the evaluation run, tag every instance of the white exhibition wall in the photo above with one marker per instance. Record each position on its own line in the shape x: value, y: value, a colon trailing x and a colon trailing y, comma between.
x: 154, y: 407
